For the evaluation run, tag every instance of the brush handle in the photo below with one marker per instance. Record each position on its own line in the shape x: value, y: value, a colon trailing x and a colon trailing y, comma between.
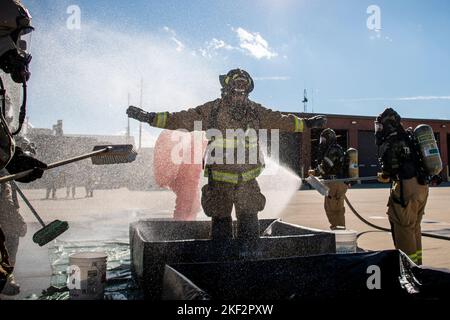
x: 78, y: 158
x: 54, y: 165
x: 16, y: 187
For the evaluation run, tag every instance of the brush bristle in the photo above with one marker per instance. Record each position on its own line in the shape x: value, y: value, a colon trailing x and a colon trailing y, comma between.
x: 50, y: 232
x: 123, y: 153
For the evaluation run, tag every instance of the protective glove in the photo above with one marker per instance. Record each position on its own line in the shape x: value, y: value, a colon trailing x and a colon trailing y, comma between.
x: 381, y: 177
x: 316, y: 122
x: 23, y: 162
x: 140, y: 115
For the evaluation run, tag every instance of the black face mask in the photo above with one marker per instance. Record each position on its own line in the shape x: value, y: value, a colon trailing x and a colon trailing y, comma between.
x: 16, y: 65
x: 238, y: 109
x: 385, y: 129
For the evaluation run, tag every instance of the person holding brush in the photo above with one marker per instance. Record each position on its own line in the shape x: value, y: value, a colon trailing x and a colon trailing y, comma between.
x: 15, y: 23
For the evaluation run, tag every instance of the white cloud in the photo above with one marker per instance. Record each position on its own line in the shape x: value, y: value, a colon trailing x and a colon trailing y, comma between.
x: 219, y: 44
x: 211, y: 47
x: 180, y: 45
x: 424, y: 98
x: 250, y: 43
x: 254, y: 44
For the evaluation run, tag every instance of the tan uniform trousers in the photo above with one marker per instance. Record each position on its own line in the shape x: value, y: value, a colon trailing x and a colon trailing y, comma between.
x: 334, y: 204
x: 5, y: 267
x: 218, y: 199
x: 11, y: 221
x: 405, y: 220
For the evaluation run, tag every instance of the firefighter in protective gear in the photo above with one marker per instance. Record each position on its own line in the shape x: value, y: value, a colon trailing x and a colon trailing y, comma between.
x: 409, y: 192
x: 15, y: 22
x: 230, y: 181
x: 331, y: 165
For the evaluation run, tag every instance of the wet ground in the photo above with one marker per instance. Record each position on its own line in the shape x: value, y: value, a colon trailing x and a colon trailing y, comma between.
x: 108, y: 214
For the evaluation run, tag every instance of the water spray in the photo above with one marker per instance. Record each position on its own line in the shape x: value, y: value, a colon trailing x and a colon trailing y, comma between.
x: 101, y: 155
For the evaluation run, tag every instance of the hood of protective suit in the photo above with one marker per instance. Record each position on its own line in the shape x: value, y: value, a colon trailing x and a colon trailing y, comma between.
x: 13, y: 17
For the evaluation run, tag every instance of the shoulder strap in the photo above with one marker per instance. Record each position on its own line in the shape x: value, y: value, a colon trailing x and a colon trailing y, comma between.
x: 417, y: 157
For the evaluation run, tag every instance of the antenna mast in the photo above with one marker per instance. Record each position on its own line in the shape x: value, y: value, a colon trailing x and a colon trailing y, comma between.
x: 305, y: 101
x: 128, y: 124
x: 141, y: 106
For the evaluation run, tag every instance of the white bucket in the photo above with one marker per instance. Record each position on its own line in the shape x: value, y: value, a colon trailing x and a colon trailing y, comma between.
x: 87, y: 275
x: 345, y: 241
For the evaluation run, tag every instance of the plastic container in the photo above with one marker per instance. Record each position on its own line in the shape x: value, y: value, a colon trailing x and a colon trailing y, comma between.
x: 345, y: 241
x: 87, y: 275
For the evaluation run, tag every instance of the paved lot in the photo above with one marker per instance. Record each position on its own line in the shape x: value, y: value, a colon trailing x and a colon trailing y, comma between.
x: 108, y: 214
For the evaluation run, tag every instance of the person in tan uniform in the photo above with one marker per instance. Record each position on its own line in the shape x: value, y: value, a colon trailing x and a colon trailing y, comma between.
x: 15, y: 22
x: 409, y: 191
x: 331, y: 165
x: 233, y: 160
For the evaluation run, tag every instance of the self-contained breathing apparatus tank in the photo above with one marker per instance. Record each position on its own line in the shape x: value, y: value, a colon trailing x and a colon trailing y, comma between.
x: 352, y: 160
x: 429, y: 150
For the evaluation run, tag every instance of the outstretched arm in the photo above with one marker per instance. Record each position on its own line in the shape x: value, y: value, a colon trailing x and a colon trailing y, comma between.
x: 289, y: 123
x: 185, y: 119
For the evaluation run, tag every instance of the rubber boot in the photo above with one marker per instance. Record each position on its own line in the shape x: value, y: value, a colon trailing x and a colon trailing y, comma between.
x: 222, y: 237
x: 247, y: 234
x: 221, y: 229
x: 11, y: 287
x: 247, y: 227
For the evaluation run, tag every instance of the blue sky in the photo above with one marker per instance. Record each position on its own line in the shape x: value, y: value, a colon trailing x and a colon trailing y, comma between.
x: 180, y: 47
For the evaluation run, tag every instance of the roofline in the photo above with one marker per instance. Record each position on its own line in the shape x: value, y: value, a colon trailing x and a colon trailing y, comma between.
x: 347, y: 116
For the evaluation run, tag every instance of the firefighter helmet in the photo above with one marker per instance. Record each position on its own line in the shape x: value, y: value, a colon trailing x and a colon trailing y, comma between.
x: 237, y: 81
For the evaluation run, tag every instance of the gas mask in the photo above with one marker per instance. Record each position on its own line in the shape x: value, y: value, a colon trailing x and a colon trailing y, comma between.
x: 236, y: 86
x: 15, y: 61
x: 387, y: 124
x: 238, y: 99
x: 15, y: 37
x: 327, y: 138
x: 385, y: 130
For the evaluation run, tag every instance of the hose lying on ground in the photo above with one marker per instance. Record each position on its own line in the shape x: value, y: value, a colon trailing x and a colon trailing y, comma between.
x: 424, y: 234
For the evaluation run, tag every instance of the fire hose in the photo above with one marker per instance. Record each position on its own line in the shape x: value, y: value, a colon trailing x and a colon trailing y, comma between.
x: 319, y: 185
x: 424, y: 234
